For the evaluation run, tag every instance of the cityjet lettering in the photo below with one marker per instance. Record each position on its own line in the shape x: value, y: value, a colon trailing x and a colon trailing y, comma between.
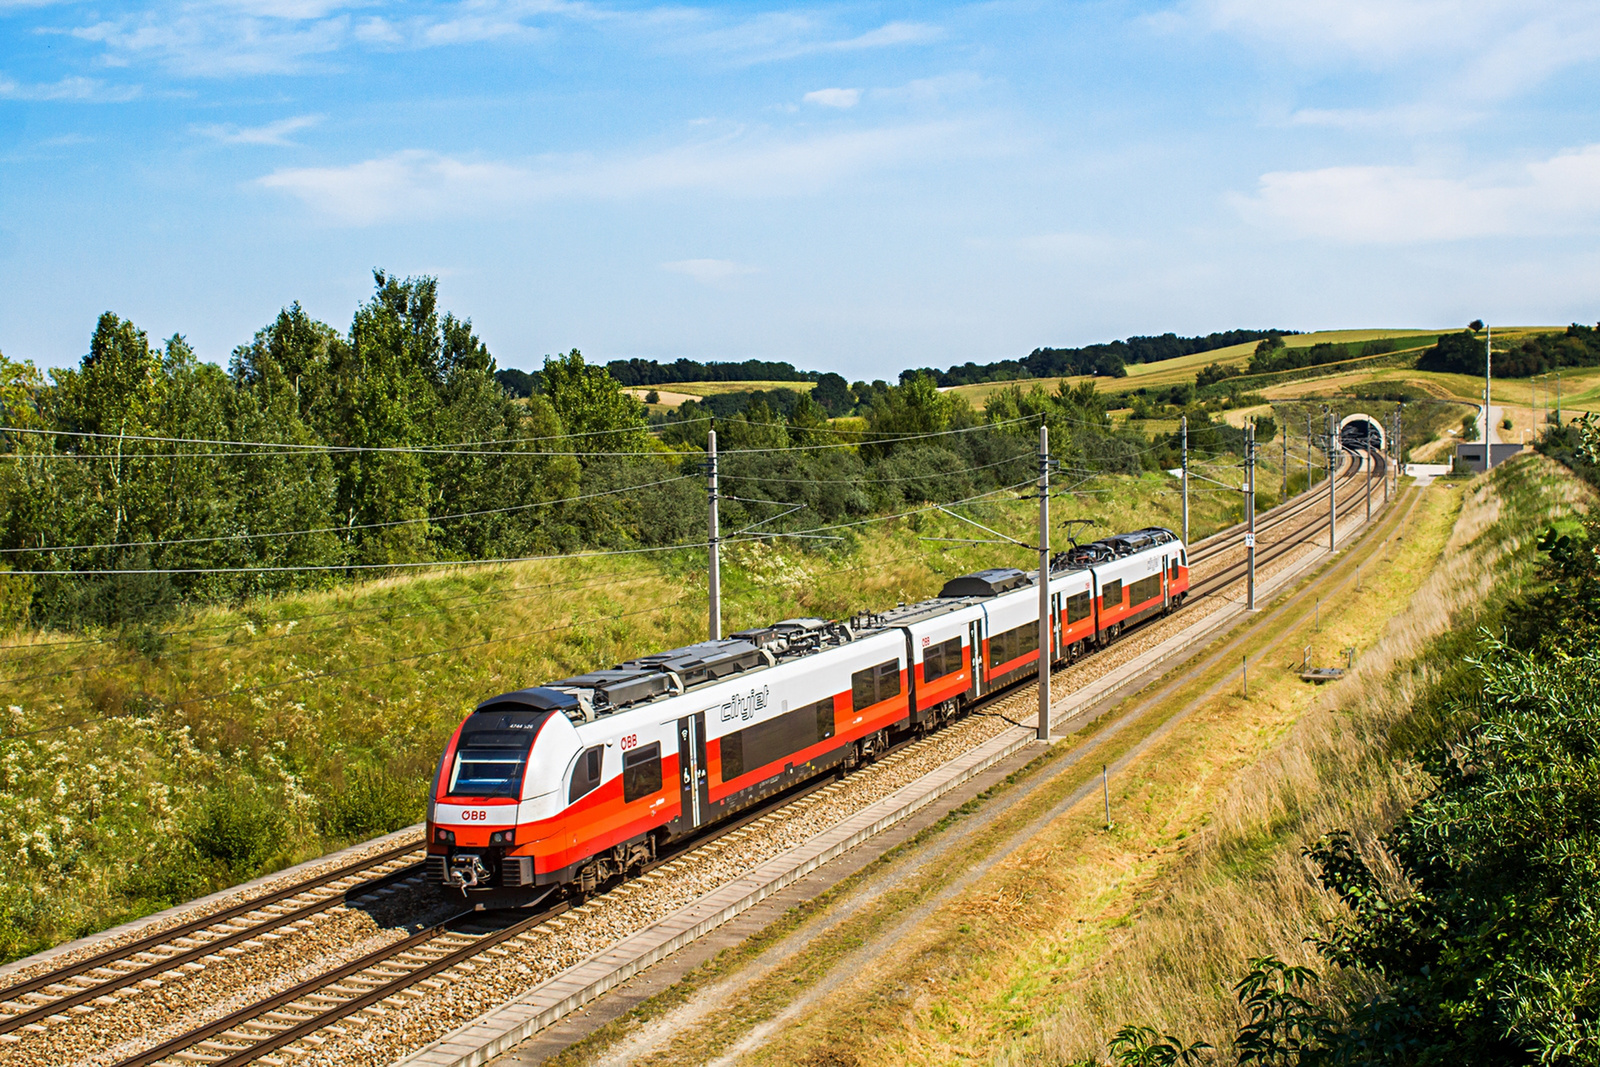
x: 745, y: 705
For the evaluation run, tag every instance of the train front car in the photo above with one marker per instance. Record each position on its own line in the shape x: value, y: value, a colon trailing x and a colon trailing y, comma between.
x: 497, y: 796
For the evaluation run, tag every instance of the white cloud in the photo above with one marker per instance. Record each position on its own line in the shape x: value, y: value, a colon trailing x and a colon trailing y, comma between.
x: 710, y: 271
x: 840, y: 98
x: 418, y: 184
x: 230, y: 38
x: 80, y: 90
x: 774, y: 36
x: 1410, y: 204
x: 1405, y: 118
x: 220, y: 41
x: 889, y: 35
x: 1483, y: 49
x: 930, y: 90
x: 273, y: 133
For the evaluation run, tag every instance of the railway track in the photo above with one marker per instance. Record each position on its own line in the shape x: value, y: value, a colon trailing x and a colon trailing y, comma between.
x: 299, y: 1013
x: 33, y: 1001
x: 1305, y: 521
x: 1313, y: 500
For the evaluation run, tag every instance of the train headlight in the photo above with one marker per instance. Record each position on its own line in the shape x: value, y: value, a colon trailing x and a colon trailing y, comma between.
x: 443, y: 836
x: 503, y: 837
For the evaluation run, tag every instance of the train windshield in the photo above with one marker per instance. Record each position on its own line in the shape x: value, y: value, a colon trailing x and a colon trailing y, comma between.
x: 488, y: 772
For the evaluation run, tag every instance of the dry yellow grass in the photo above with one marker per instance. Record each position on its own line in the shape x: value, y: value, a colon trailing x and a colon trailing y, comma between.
x: 1183, y: 368
x: 1074, y: 931
x: 1244, y: 889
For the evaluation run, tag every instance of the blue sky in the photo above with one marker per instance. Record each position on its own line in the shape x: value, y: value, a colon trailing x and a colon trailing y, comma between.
x: 851, y: 187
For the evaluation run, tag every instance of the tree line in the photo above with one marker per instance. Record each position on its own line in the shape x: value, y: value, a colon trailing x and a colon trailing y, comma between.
x: 318, y: 455
x: 1540, y: 353
x: 1108, y: 360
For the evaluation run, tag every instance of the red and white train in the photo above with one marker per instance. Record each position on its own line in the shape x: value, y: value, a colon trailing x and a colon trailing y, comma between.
x: 571, y: 783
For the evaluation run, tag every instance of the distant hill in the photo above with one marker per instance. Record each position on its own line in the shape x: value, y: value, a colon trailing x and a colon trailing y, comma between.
x: 1110, y: 359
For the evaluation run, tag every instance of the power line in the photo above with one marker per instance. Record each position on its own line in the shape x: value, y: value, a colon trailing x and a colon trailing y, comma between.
x: 464, y: 447
x: 433, y: 450
x: 342, y: 529
x: 320, y: 675
x: 287, y: 635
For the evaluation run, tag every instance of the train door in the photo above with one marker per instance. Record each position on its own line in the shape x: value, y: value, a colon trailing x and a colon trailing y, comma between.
x: 1055, y: 626
x: 692, y: 782
x: 1166, y: 581
x: 975, y: 645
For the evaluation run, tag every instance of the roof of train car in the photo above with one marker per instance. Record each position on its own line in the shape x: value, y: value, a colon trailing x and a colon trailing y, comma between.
x: 662, y: 675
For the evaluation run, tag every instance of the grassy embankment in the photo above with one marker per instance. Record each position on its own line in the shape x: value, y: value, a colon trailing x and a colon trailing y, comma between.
x: 1079, y: 930
x: 146, y: 767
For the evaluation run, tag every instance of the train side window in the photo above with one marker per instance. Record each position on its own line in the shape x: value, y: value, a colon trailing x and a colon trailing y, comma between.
x: 941, y: 659
x: 586, y: 775
x: 1078, y: 607
x: 1174, y: 568
x: 999, y: 648
x: 776, y: 739
x: 641, y: 772
x: 732, y: 756
x: 825, y: 725
x: 1183, y: 555
x: 862, y: 688
x: 873, y: 684
x: 1111, y: 594
x: 1027, y: 638
x: 888, y: 679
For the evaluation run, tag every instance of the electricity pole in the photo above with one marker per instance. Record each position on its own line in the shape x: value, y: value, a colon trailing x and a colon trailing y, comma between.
x: 1366, y: 461
x: 1488, y: 339
x: 1286, y: 459
x: 1183, y: 425
x: 1250, y: 514
x: 1333, y: 497
x: 715, y: 625
x: 1044, y: 583
x: 1558, y: 399
x: 1308, y: 452
x: 1399, y: 444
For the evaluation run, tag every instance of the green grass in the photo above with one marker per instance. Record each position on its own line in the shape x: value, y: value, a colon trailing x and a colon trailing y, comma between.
x: 1183, y: 369
x: 140, y: 769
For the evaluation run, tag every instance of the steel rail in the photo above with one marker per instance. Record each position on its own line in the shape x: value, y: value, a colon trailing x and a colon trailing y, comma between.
x: 1209, y: 584
x: 40, y: 984
x: 1309, y: 500
x: 386, y: 956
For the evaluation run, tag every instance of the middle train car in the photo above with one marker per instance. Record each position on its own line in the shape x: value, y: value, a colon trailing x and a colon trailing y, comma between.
x: 581, y: 779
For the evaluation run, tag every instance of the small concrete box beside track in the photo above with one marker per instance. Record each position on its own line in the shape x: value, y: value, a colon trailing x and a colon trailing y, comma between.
x: 1479, y: 456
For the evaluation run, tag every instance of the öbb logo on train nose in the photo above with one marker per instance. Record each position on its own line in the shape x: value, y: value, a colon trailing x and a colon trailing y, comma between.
x: 474, y: 815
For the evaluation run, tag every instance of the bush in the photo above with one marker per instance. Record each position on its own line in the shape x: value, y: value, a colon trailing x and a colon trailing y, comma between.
x: 371, y: 803
x: 1213, y: 373
x: 239, y: 827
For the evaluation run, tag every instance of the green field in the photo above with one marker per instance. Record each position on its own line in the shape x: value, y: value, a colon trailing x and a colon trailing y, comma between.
x: 1169, y: 372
